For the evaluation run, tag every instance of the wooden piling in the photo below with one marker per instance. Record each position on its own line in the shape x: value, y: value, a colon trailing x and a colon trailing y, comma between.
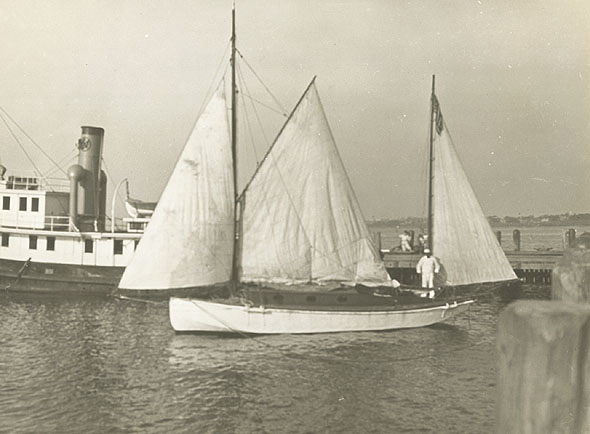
x: 378, y: 241
x: 516, y: 239
x: 543, y: 368
x: 499, y: 237
x: 544, y: 354
x: 571, y: 276
x: 570, y: 238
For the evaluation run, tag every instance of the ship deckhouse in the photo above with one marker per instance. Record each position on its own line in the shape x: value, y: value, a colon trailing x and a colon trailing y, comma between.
x: 53, y: 234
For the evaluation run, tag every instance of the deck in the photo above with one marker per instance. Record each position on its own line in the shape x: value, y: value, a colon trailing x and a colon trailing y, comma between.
x: 531, y: 266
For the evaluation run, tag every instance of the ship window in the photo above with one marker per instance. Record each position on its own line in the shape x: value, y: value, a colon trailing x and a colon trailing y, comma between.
x: 50, y: 243
x: 88, y: 246
x: 6, y: 202
x: 22, y: 204
x: 5, y: 238
x: 33, y: 242
x: 118, y: 247
x: 35, y: 204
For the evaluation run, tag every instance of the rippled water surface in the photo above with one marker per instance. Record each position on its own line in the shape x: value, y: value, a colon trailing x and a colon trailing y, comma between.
x: 106, y: 366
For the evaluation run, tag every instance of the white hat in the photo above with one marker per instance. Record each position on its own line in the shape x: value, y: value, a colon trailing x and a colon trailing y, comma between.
x: 426, y: 250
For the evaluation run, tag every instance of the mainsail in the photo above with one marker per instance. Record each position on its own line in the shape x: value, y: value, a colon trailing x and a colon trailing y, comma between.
x: 189, y: 240
x: 462, y: 237
x: 301, y: 222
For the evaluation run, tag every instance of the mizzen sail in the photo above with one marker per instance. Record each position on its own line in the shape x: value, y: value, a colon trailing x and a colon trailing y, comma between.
x: 301, y: 220
x: 189, y: 240
x: 462, y: 237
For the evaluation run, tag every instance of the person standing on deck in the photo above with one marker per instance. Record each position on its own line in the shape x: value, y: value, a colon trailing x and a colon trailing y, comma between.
x: 405, y: 242
x: 427, y: 266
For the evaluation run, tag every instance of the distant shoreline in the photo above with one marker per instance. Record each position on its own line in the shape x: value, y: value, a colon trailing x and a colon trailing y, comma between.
x: 567, y: 219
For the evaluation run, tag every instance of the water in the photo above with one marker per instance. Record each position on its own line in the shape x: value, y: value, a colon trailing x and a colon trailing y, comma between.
x: 75, y: 365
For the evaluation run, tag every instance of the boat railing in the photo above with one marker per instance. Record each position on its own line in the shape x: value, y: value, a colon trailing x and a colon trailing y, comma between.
x: 33, y: 183
x: 58, y: 223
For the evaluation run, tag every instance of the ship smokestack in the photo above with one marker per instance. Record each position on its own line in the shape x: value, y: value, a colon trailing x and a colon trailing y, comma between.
x: 87, y: 182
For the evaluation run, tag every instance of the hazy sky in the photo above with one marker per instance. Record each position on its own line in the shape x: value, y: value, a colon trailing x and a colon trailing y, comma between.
x: 513, y: 80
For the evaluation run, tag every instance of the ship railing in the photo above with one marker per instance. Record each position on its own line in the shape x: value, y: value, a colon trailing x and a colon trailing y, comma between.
x: 64, y: 224
x: 14, y: 182
x: 58, y: 223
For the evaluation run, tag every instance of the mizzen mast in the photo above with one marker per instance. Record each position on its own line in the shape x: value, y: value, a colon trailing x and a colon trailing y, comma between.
x: 234, y: 122
x: 430, y: 174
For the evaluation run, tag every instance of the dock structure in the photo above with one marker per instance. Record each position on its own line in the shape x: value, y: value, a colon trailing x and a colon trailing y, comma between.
x: 530, y: 266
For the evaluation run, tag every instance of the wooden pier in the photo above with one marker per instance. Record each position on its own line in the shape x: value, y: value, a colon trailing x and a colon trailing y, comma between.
x: 530, y: 266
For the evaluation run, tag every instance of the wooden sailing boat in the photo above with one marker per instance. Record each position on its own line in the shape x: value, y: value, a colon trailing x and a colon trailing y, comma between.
x: 295, y: 253
x: 460, y: 236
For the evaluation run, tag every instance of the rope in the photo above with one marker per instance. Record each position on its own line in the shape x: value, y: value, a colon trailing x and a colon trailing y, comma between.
x: 37, y: 171
x: 141, y: 300
x: 264, y: 104
x: 261, y: 82
x: 32, y: 141
x: 206, y: 99
x: 18, y: 274
x: 249, y: 127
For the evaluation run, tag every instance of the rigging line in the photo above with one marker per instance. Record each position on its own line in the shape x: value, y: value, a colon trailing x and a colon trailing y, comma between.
x: 264, y: 105
x: 257, y: 118
x: 31, y: 139
x: 37, y: 171
x: 261, y: 82
x: 208, y: 93
x: 141, y: 300
x: 248, y: 126
x: 70, y: 158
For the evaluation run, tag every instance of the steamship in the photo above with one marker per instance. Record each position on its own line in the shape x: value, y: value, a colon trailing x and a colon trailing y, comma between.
x: 53, y: 234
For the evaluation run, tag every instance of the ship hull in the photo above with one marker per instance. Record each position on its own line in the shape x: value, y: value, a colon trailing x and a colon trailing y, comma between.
x: 193, y: 315
x: 45, y: 277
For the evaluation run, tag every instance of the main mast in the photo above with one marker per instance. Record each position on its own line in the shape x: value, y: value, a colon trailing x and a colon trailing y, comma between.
x: 234, y: 122
x: 430, y: 174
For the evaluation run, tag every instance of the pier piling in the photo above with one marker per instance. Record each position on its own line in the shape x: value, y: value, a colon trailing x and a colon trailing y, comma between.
x: 516, y: 239
x: 570, y: 238
x: 544, y: 354
x: 571, y: 276
x: 543, y: 368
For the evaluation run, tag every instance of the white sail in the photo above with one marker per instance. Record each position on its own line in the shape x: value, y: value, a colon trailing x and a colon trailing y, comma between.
x: 189, y: 240
x: 463, y: 240
x: 301, y: 220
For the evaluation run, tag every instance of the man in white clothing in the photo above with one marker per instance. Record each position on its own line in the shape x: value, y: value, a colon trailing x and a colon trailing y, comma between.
x: 427, y: 266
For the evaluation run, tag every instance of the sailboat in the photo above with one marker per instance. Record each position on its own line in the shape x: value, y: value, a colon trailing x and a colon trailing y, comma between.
x: 460, y: 236
x: 293, y: 248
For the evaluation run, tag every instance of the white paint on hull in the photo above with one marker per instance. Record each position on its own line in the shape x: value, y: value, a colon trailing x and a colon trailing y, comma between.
x: 192, y: 315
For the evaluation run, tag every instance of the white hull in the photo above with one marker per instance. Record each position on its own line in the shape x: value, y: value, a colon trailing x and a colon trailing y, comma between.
x: 192, y: 315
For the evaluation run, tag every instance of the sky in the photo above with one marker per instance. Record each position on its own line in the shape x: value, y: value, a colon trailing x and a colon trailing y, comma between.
x: 512, y: 78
